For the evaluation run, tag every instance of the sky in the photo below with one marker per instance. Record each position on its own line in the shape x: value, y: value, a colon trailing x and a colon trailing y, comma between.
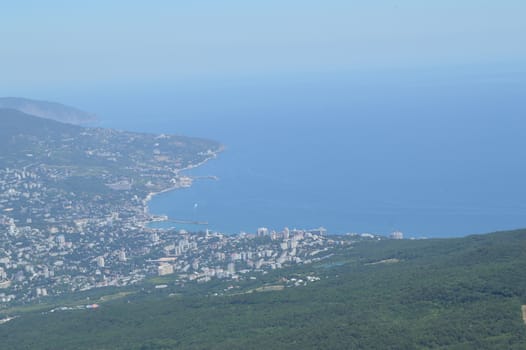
x: 396, y: 66
x: 63, y: 43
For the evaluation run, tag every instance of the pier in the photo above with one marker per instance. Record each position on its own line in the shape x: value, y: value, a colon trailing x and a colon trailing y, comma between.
x: 205, y: 177
x: 186, y: 222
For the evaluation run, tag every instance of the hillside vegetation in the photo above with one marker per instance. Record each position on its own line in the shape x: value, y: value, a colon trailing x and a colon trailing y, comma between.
x: 462, y: 293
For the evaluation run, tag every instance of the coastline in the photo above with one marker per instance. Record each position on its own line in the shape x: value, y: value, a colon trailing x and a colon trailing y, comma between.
x: 150, y: 195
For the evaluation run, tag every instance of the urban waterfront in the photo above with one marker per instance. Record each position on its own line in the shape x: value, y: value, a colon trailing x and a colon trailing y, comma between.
x: 339, y: 159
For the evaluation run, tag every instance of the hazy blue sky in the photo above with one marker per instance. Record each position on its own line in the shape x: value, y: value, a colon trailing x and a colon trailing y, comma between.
x: 47, y: 43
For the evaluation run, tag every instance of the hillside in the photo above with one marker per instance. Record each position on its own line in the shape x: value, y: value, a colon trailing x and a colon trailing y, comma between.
x: 48, y: 110
x: 45, y: 161
x: 28, y: 139
x: 15, y: 123
x: 431, y: 294
x: 74, y: 200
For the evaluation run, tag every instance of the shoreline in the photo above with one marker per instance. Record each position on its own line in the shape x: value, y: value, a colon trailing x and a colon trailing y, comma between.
x: 150, y: 195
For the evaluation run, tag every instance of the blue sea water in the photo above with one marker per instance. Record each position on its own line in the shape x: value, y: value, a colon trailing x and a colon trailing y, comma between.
x: 432, y: 155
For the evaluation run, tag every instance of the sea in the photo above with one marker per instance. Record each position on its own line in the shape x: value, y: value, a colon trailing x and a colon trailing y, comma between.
x: 431, y: 153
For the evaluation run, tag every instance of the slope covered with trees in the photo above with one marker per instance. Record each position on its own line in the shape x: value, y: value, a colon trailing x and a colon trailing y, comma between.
x: 462, y: 293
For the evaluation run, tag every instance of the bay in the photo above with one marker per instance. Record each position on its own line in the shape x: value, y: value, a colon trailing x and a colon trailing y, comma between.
x: 431, y: 156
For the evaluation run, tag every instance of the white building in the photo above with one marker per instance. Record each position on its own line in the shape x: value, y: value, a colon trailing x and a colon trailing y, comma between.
x: 397, y: 235
x: 262, y: 231
x: 100, y: 261
x: 122, y: 256
x: 165, y: 269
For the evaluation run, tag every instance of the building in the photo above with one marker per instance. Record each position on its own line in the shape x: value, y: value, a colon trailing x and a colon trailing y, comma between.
x: 122, y: 256
x: 165, y: 269
x: 100, y: 261
x: 262, y: 231
x: 61, y: 240
x: 397, y: 235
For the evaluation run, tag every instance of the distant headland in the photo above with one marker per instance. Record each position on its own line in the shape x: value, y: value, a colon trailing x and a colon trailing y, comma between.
x: 48, y: 110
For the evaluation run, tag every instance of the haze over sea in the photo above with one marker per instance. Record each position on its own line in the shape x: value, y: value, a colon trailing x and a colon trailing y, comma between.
x: 434, y: 153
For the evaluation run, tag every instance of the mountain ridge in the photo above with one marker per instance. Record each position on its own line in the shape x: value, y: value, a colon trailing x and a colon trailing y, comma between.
x: 49, y: 110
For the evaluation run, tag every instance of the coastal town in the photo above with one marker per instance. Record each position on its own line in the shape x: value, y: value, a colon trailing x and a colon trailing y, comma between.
x: 73, y: 217
x: 117, y: 248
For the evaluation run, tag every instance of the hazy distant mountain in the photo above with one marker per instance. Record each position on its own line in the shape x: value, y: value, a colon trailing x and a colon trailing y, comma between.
x: 27, y: 139
x: 49, y: 110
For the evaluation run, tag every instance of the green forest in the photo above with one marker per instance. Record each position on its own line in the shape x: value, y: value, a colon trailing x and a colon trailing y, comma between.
x: 462, y: 293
